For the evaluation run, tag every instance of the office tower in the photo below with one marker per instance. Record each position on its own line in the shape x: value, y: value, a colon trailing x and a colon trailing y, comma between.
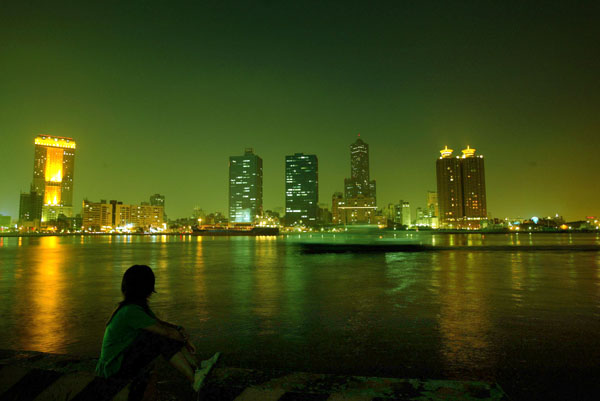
x: 449, y: 188
x: 359, y: 183
x: 53, y: 169
x: 159, y: 200
x: 245, y: 187
x: 473, y: 183
x: 301, y: 189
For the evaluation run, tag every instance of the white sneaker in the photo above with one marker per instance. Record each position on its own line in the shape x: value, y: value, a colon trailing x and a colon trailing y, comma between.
x: 204, y: 370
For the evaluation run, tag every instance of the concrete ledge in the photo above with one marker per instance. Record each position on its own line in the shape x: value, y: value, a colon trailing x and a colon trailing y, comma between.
x: 39, y: 376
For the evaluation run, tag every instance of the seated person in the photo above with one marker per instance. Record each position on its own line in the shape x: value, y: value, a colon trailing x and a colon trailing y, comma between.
x: 134, y: 336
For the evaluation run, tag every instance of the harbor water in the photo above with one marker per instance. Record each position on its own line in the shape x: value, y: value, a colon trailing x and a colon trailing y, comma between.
x: 528, y: 319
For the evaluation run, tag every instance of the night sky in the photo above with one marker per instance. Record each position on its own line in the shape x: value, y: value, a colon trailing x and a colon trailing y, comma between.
x: 159, y: 95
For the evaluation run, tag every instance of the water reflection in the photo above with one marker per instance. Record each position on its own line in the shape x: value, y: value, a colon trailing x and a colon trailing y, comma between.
x: 41, y: 295
x: 464, y: 322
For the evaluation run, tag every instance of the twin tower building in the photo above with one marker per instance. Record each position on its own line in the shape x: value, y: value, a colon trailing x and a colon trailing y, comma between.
x: 461, y: 189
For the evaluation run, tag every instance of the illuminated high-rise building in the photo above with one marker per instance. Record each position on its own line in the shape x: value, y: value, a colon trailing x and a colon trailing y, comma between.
x: 53, y: 169
x: 461, y: 189
x: 301, y: 189
x: 473, y: 184
x: 245, y: 187
x: 359, y: 183
x: 449, y: 188
x: 359, y: 189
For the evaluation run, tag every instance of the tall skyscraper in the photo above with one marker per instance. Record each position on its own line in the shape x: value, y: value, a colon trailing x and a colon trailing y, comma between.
x: 359, y: 189
x: 449, y: 188
x: 461, y: 189
x: 359, y: 183
x: 245, y: 187
x: 301, y: 189
x: 473, y: 181
x: 53, y: 170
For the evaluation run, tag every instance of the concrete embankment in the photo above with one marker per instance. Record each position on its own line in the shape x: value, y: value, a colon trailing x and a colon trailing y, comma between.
x: 26, y: 375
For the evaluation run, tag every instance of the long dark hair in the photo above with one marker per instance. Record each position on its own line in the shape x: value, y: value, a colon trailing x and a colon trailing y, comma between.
x: 137, y: 286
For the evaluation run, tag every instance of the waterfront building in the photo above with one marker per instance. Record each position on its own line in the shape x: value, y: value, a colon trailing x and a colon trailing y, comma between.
x: 107, y: 216
x: 473, y: 188
x: 359, y: 183
x: 358, y: 210
x: 245, y: 187
x: 449, y: 189
x: 359, y: 189
x: 301, y: 189
x: 53, y: 170
x: 461, y: 189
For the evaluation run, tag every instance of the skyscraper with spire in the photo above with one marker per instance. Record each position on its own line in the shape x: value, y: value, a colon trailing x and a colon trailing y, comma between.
x: 359, y: 189
x: 359, y: 183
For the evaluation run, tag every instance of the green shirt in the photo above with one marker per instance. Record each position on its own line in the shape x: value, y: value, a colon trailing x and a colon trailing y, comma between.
x: 119, y: 334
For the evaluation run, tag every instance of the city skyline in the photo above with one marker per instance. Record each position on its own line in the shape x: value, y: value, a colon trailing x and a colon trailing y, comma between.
x: 160, y: 95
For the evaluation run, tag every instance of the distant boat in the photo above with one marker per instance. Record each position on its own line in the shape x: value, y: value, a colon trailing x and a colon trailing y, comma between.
x: 238, y: 230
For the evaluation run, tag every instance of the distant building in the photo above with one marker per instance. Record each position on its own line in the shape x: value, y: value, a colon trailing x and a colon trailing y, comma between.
x: 432, y: 203
x: 245, y: 187
x: 325, y: 215
x: 461, y: 189
x: 359, y: 210
x: 405, y: 215
x: 337, y: 201
x: 4, y: 221
x: 359, y: 189
x: 301, y: 189
x: 473, y: 187
x: 106, y: 216
x: 159, y: 200
x: 449, y: 189
x: 30, y: 207
x: 359, y: 183
x: 53, y: 170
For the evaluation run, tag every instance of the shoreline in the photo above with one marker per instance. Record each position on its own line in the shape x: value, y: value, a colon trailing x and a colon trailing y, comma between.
x: 383, y: 231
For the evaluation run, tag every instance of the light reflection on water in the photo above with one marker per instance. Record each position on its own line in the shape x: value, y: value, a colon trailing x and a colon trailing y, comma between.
x: 478, y: 315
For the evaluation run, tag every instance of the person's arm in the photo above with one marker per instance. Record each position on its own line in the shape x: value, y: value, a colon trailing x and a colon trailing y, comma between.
x: 166, y: 331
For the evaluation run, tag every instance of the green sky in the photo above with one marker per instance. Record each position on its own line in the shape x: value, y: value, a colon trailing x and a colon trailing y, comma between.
x: 158, y: 95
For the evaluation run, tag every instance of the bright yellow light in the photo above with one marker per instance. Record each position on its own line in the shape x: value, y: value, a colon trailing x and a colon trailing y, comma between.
x: 52, y: 195
x: 55, y: 142
x: 468, y: 152
x: 54, y: 161
x: 446, y: 152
